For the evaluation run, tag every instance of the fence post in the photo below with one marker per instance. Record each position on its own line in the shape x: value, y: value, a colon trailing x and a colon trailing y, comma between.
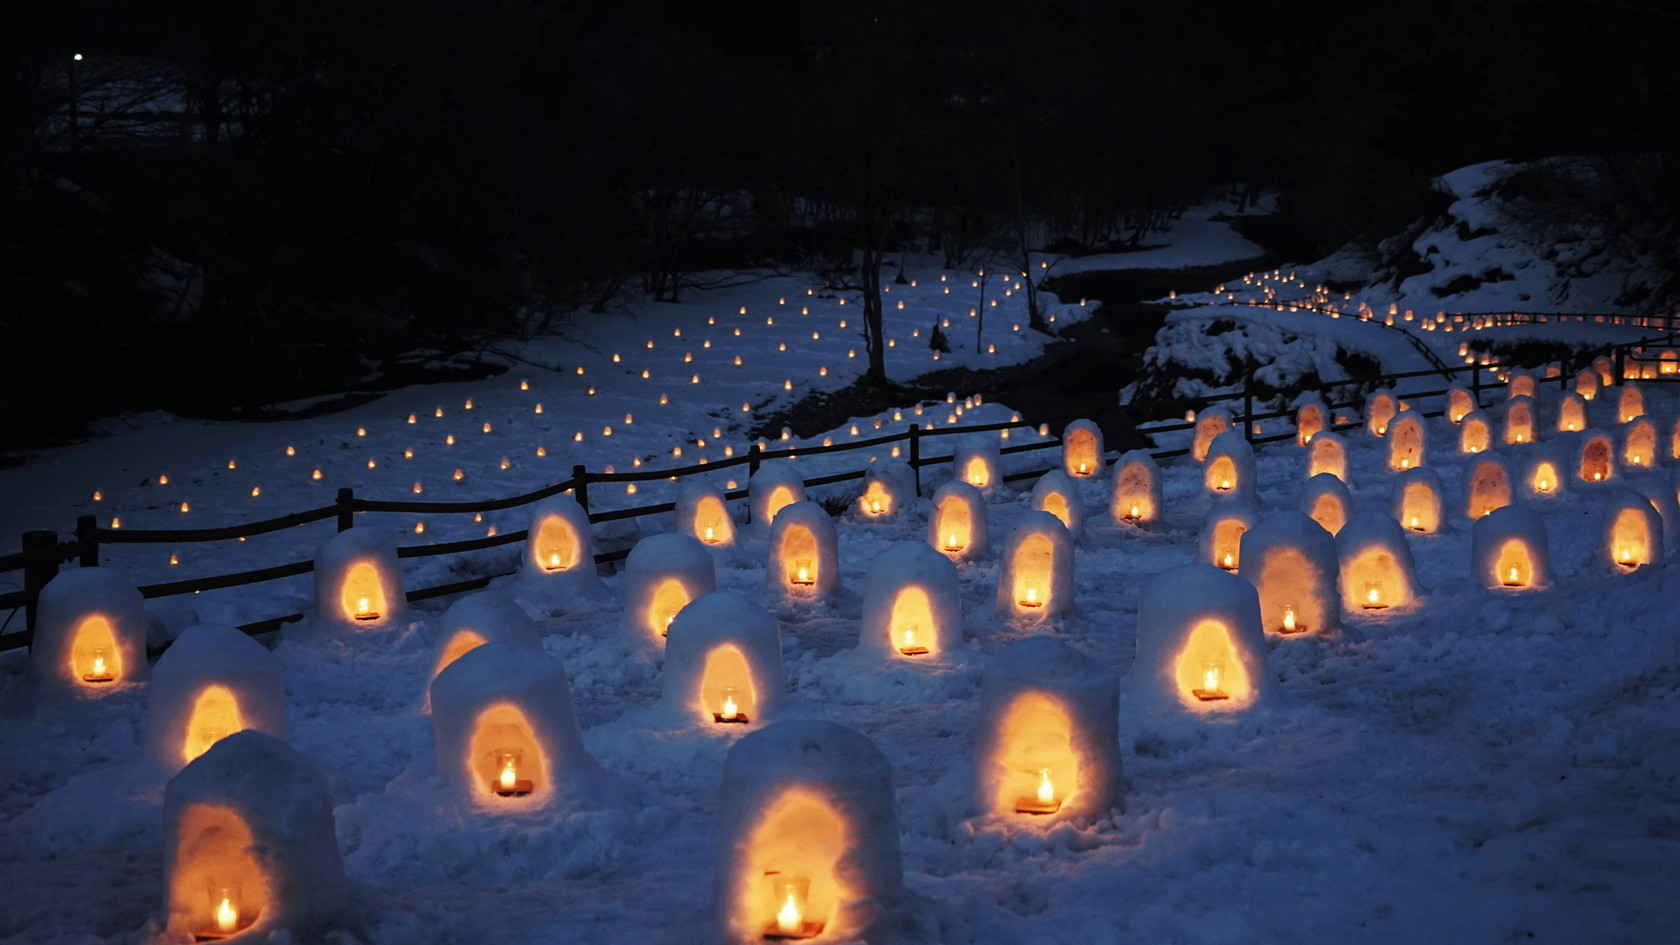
x: 1476, y: 384
x: 754, y: 459
x: 1621, y: 365
x: 916, y: 455
x: 580, y: 487
x: 346, y: 508
x: 1248, y: 414
x: 38, y: 569
x: 87, y: 541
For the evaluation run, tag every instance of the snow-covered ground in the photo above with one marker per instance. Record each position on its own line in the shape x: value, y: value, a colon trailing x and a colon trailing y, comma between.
x: 1485, y: 767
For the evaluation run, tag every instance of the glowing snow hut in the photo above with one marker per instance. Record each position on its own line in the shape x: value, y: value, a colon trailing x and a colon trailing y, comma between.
x: 1327, y: 453
x: 250, y: 847
x: 1460, y: 403
x: 1595, y: 457
x: 1380, y: 410
x: 774, y: 487
x: 977, y: 460
x: 1294, y: 565
x: 723, y: 663
x: 1327, y: 501
x: 1057, y: 493
x: 703, y: 514
x: 1508, y: 549
x: 1047, y: 745
x: 1633, y: 531
x: 1519, y: 384
x: 90, y: 633
x: 887, y: 487
x: 1082, y: 450
x: 1311, y: 418
x: 1606, y: 370
x: 1587, y: 383
x: 1519, y: 424
x: 1487, y: 486
x: 958, y: 523
x: 1228, y: 468
x: 1136, y: 497
x: 1377, y: 572
x: 1674, y: 439
x: 1408, y: 442
x: 1036, y: 577
x: 1572, y: 413
x: 912, y: 604
x: 1475, y: 433
x: 358, y: 583
x: 1417, y: 502
x: 1639, y: 444
x: 807, y: 837
x: 1630, y: 403
x: 804, y: 552
x: 507, y: 733
x: 1209, y: 424
x: 1546, y: 474
x: 661, y: 575
x: 475, y: 620
x: 213, y: 681
x: 559, y: 550
x: 1221, y: 541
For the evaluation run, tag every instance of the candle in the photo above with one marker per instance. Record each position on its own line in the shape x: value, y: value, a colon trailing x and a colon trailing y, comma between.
x: 730, y: 709
x: 710, y: 537
x: 1512, y: 579
x: 789, y: 920
x: 1228, y: 562
x: 802, y: 571
x: 227, y: 914
x: 1289, y: 624
x: 554, y: 561
x: 951, y: 542
x: 1031, y: 597
x: 1373, y: 594
x: 510, y: 776
x: 1046, y: 790
x: 1210, y: 676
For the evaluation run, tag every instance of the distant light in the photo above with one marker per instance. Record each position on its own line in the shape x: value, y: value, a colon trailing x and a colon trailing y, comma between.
x: 77, y: 57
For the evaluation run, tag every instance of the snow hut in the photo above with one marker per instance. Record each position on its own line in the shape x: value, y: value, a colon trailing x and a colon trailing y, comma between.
x: 1377, y: 572
x: 1631, y: 402
x: 1544, y: 478
x: 1519, y: 419
x: 475, y: 620
x: 912, y: 603
x: 1228, y: 470
x: 1519, y: 384
x: 1047, y: 743
x: 213, y: 681
x: 506, y: 731
x: 90, y: 633
x: 1508, y: 549
x: 1294, y: 566
x: 1417, y: 500
x: 250, y: 846
x: 1057, y: 493
x: 1572, y: 413
x: 804, y: 552
x: 1036, y: 578
x: 977, y: 460
x: 958, y: 525
x: 1408, y: 442
x: 1460, y: 403
x: 1327, y: 453
x: 1606, y: 370
x: 1487, y: 486
x: 1633, y: 531
x: 723, y: 662
x: 1082, y: 450
x: 358, y: 584
x: 1674, y: 439
x: 661, y: 575
x: 774, y: 487
x: 559, y: 549
x: 887, y: 487
x: 807, y: 837
x: 1380, y: 410
x: 1221, y: 543
x: 1136, y: 498
x: 1311, y: 418
x: 1595, y: 458
x: 1474, y: 433
x: 1201, y: 653
x: 1209, y: 424
x: 703, y: 514
x: 1587, y: 383
x: 1326, y: 499
x: 1639, y: 444
x: 1657, y: 491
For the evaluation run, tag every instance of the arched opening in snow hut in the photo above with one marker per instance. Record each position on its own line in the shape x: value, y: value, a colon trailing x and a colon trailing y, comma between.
x: 1309, y: 421
x: 727, y: 694
x: 977, y: 472
x: 217, y: 888
x: 912, y: 626
x: 1407, y: 442
x: 215, y: 715
x: 1606, y: 370
x: 1632, y: 534
x: 1056, y: 504
x: 1227, y: 542
x: 1519, y: 420
x: 1137, y: 490
x: 711, y: 522
x: 1372, y: 579
x: 1488, y: 488
x: 1207, y: 671
x: 1212, y: 422
x: 951, y: 527
x: 1082, y: 450
x: 1572, y: 413
x: 1587, y: 384
x: 1460, y: 404
x: 1674, y: 440
x: 1639, y: 444
x: 95, y: 658
x: 1221, y: 475
x: 1515, y: 564
x: 1473, y: 433
x: 362, y: 593
x: 555, y: 544
x: 780, y: 497
x: 1287, y: 583
x: 1631, y: 404
x: 1035, y: 747
x: 1419, y: 506
x: 1325, y: 504
x: 669, y: 597
x: 799, y: 559
x: 877, y: 500
x: 1545, y: 479
x: 1597, y: 462
x: 1521, y: 384
x: 1326, y: 453
x: 504, y: 756
x: 1033, y: 566
x: 1058, y: 493
x: 794, y: 886
x: 1380, y: 410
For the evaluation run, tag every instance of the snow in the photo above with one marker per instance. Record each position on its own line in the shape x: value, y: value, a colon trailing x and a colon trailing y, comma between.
x: 1035, y: 580
x: 661, y: 576
x: 91, y: 623
x: 911, y: 586
x: 1057, y: 493
x: 709, y: 626
x: 202, y: 659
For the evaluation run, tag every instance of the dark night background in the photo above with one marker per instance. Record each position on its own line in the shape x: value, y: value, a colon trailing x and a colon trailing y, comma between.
x: 392, y: 177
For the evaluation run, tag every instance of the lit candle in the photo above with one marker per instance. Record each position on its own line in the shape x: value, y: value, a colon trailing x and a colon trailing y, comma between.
x: 1289, y: 624
x: 875, y: 506
x: 730, y: 709
x: 710, y: 537
x: 1210, y: 676
x: 364, y: 609
x: 1084, y: 467
x: 227, y: 914
x: 789, y: 920
x: 1228, y: 562
x: 1135, y: 512
x: 1512, y: 579
x: 951, y: 542
x: 802, y: 571
x: 1373, y: 594
x: 1031, y: 597
x: 554, y: 561
x: 510, y: 776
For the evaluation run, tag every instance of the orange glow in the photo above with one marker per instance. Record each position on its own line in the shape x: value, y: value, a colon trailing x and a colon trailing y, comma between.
x: 94, y: 656
x: 1080, y: 452
x: 780, y: 498
x: 1329, y: 511
x: 1545, y: 476
x: 1221, y: 475
x: 1420, y: 507
x: 1227, y: 542
x: 1459, y: 405
x: 1515, y: 566
x: 363, y: 595
x: 726, y: 691
x: 1631, y: 404
x: 1308, y: 421
x: 977, y: 472
x: 952, y: 524
x: 557, y: 546
x: 1033, y: 566
x: 1630, y: 539
x: 799, y: 558
x: 1132, y: 501
x: 911, y: 625
x: 215, y: 716
x: 1035, y: 753
x: 1572, y: 415
x: 790, y: 886
x: 1474, y: 437
x: 217, y: 885
x: 1596, y: 458
x: 501, y: 735
x: 1640, y: 447
x: 1056, y: 504
x: 1327, y: 456
x: 1490, y: 488
x: 876, y: 500
x: 1286, y: 579
x: 1208, y: 662
x: 461, y: 643
x: 668, y: 598
x: 1375, y: 579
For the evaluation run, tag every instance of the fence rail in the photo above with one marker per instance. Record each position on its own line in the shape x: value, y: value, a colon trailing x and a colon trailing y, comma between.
x: 42, y: 553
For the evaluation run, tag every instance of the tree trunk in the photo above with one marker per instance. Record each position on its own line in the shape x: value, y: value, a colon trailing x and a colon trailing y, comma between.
x: 869, y: 278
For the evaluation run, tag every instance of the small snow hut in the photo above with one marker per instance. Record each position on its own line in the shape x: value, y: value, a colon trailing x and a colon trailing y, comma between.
x: 1630, y: 404
x: 90, y: 633
x: 1200, y: 647
x: 887, y: 487
x: 1380, y: 410
x: 1377, y: 572
x: 1294, y: 565
x: 1519, y: 420
x: 1595, y: 457
x: 1417, y: 500
x: 1036, y: 577
x: 1543, y: 478
x: 804, y: 552
x: 1474, y: 433
x: 1136, y: 497
x: 1587, y: 383
x: 1221, y: 541
x: 1508, y: 549
x: 723, y: 662
x: 774, y: 487
x: 703, y: 514
x: 1057, y: 493
x: 1633, y: 531
x: 1572, y: 413
x: 912, y: 603
x: 958, y: 525
x: 1460, y: 403
x: 977, y: 460
x: 1519, y: 384
x: 1639, y: 444
x: 1327, y: 453
x: 1209, y: 424
x: 213, y: 681
x: 1311, y: 418
x: 1487, y: 486
x: 1408, y: 442
x: 1082, y: 450
x: 661, y: 575
x: 358, y: 583
x: 1326, y: 499
x: 1228, y: 469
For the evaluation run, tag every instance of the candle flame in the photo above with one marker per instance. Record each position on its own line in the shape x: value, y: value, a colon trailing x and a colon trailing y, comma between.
x: 951, y: 543
x: 1289, y: 619
x: 1046, y: 790
x: 1513, y: 576
x: 789, y: 920
x: 99, y: 665
x: 1229, y: 561
x: 730, y: 709
x: 227, y: 917
x: 510, y: 777
x: 1032, y: 596
x: 1210, y: 679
